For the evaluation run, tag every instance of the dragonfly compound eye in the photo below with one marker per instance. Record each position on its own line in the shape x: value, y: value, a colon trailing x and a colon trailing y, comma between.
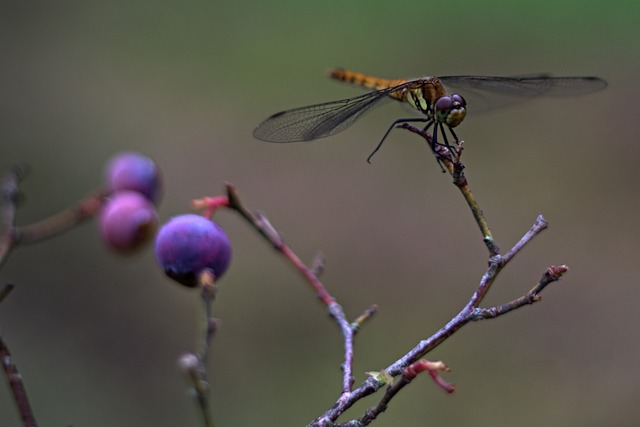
x: 459, y: 99
x: 450, y: 110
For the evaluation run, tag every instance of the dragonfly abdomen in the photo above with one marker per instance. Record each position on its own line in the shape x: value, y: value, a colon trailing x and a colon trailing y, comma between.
x: 425, y: 91
x: 365, y: 80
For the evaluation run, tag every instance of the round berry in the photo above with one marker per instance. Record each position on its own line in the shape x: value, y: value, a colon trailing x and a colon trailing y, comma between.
x: 127, y: 221
x: 133, y: 171
x: 189, y: 244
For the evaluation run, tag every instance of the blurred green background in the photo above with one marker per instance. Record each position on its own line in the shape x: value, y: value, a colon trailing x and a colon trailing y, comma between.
x: 96, y: 336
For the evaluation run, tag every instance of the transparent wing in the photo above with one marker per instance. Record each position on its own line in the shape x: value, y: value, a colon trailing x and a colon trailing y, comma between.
x: 320, y: 120
x: 488, y: 92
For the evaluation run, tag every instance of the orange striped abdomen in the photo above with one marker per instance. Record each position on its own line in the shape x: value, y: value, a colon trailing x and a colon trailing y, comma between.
x: 365, y: 80
x: 419, y: 93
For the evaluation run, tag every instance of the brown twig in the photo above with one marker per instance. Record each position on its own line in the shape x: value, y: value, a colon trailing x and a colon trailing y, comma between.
x: 10, y: 235
x: 470, y: 312
x: 190, y: 365
x: 18, y: 390
x: 262, y: 224
x: 208, y: 290
x: 407, y: 366
x: 453, y: 165
x: 49, y: 227
x: 552, y: 274
x: 194, y: 365
x: 401, y: 372
x: 408, y: 375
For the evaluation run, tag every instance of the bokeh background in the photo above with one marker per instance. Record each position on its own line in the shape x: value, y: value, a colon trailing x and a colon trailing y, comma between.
x: 96, y: 336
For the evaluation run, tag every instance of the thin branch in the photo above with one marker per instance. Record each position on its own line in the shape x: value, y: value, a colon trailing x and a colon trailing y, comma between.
x: 539, y: 225
x: 487, y: 237
x: 455, y: 168
x: 83, y: 210
x: 364, y: 317
x: 18, y: 390
x: 408, y: 375
x: 348, y: 334
x: 262, y: 224
x: 466, y: 315
x: 208, y: 294
x: 194, y: 365
x: 470, y: 311
x: 189, y: 364
x: 553, y: 273
x: 410, y: 364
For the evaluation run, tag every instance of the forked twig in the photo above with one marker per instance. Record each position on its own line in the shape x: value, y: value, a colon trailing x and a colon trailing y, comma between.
x: 471, y: 311
x: 348, y: 329
x: 408, y: 366
x: 10, y: 236
x: 393, y: 378
x: 261, y: 223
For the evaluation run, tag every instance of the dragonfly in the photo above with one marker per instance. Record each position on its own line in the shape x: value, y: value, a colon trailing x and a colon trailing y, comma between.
x: 433, y: 97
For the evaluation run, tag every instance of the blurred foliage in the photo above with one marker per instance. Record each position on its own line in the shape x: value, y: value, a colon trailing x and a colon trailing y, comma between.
x: 97, y: 336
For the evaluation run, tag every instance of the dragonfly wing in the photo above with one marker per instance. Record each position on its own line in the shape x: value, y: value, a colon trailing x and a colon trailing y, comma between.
x: 487, y: 92
x: 318, y: 121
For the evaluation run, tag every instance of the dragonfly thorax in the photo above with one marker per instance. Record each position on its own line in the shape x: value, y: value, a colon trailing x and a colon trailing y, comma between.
x: 429, y: 97
x: 450, y: 110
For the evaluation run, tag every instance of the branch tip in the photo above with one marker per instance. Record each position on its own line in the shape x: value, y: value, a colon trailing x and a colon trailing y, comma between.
x: 557, y: 271
x: 368, y: 314
x: 541, y: 222
x: 432, y: 368
x: 232, y: 194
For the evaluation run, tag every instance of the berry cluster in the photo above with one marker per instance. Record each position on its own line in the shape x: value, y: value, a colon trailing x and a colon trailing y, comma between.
x: 129, y: 219
x: 186, y: 246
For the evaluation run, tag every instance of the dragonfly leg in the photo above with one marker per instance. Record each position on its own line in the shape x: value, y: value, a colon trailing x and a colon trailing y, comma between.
x: 453, y: 150
x: 393, y: 125
x: 455, y: 137
x: 458, y: 148
x: 436, y: 143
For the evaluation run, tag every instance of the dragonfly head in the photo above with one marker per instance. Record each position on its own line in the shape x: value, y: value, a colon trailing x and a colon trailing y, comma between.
x: 450, y: 110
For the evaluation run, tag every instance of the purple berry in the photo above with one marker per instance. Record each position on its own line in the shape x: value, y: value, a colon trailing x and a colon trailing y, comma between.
x: 127, y: 221
x: 133, y: 171
x: 189, y: 244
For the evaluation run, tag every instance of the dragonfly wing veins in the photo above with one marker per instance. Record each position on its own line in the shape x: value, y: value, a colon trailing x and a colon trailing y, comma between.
x: 319, y: 120
x: 488, y: 92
